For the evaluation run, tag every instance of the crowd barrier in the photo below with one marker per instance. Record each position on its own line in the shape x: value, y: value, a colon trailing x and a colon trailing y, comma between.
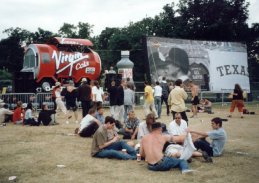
x: 37, y: 99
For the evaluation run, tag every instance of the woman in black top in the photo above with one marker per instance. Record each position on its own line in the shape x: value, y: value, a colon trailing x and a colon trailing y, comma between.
x: 237, y: 101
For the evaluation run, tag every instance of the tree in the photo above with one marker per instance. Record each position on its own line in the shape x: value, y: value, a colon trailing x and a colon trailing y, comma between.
x: 68, y: 30
x: 223, y: 20
x: 84, y: 30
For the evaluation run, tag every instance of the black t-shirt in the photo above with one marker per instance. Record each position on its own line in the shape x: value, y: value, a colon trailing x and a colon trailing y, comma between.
x: 239, y: 95
x: 44, y: 116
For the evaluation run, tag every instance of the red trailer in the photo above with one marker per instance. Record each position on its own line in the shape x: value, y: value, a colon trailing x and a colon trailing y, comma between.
x: 61, y: 59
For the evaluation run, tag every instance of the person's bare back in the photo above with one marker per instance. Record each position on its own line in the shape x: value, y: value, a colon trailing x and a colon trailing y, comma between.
x: 152, y: 147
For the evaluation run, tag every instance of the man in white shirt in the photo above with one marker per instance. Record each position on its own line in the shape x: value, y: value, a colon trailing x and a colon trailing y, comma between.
x: 89, y: 124
x: 178, y: 127
x: 157, y: 95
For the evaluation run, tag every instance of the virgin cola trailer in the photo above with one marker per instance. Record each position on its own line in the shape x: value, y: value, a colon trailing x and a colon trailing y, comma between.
x: 59, y: 59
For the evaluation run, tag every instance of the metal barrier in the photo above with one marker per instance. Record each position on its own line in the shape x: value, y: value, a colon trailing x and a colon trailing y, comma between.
x: 11, y: 99
x: 38, y: 99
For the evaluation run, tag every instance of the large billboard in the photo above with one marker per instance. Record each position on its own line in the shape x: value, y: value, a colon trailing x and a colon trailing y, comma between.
x: 214, y: 66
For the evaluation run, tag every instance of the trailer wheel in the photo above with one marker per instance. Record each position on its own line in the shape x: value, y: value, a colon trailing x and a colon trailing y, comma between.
x: 46, y: 85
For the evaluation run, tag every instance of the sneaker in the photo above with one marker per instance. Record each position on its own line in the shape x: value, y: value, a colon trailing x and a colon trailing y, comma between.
x: 207, y: 158
x: 187, y: 171
x: 67, y: 122
x: 76, y: 121
x: 242, y: 116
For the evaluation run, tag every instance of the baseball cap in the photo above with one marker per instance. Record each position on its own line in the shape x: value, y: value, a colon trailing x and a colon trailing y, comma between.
x: 84, y: 80
x: 57, y: 83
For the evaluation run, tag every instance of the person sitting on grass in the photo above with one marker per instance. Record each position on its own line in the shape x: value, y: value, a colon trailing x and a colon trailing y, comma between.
x: 18, y: 114
x: 102, y: 147
x: 46, y: 116
x: 205, y: 106
x: 217, y: 135
x: 145, y: 126
x: 151, y: 149
x: 99, y: 114
x: 131, y: 126
x: 89, y: 124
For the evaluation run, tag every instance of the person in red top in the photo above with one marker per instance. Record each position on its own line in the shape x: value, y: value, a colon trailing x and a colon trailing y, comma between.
x: 17, y: 115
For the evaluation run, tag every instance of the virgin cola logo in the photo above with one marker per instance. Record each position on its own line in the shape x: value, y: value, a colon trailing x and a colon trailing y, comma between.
x: 71, y: 58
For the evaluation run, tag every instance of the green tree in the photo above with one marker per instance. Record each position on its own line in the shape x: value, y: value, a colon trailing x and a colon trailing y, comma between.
x: 84, y: 30
x: 68, y: 30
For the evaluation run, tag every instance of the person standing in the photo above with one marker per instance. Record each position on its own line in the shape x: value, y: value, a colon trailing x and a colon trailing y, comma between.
x: 85, y: 96
x: 149, y: 100
x: 104, y: 147
x: 195, y: 99
x: 60, y: 103
x: 98, y: 95
x: 70, y: 94
x: 119, y: 110
x: 237, y: 101
x: 129, y: 100
x: 165, y: 93
x: 176, y: 100
x: 157, y: 95
x: 112, y: 90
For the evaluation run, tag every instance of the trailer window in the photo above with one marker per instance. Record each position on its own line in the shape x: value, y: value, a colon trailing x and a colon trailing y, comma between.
x: 45, y: 58
x: 29, y: 59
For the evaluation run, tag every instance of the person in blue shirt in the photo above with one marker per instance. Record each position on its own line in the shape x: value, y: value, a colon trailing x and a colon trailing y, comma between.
x: 99, y: 114
x: 217, y: 135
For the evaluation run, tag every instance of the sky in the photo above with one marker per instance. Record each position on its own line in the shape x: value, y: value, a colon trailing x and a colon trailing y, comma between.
x: 51, y: 14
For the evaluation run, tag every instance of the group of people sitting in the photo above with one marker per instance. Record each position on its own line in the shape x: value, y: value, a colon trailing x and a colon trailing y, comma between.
x: 162, y: 148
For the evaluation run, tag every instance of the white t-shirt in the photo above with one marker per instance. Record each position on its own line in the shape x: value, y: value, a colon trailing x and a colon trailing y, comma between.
x: 175, y: 129
x: 158, y: 91
x: 3, y: 112
x: 98, y: 93
x: 142, y: 130
x: 86, y: 121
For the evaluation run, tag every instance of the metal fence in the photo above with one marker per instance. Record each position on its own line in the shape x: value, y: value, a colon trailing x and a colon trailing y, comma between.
x: 37, y: 99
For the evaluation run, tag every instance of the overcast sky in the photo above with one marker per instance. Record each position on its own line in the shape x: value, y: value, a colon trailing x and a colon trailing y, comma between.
x: 51, y: 14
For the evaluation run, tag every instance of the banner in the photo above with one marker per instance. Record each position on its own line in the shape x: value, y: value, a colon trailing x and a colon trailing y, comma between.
x: 214, y: 66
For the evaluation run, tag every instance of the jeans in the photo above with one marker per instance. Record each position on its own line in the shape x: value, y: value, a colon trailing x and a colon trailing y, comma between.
x: 164, y: 99
x: 158, y: 106
x: 114, y: 151
x: 169, y: 162
x: 204, y: 146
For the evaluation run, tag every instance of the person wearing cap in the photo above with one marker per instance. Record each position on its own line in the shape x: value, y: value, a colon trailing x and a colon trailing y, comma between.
x: 70, y: 94
x: 60, y: 103
x: 3, y: 111
x: 151, y: 149
x: 53, y: 95
x: 218, y: 136
x: 18, y: 113
x: 84, y: 92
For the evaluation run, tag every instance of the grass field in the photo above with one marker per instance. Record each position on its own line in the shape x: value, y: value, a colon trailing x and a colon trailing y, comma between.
x: 33, y: 153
